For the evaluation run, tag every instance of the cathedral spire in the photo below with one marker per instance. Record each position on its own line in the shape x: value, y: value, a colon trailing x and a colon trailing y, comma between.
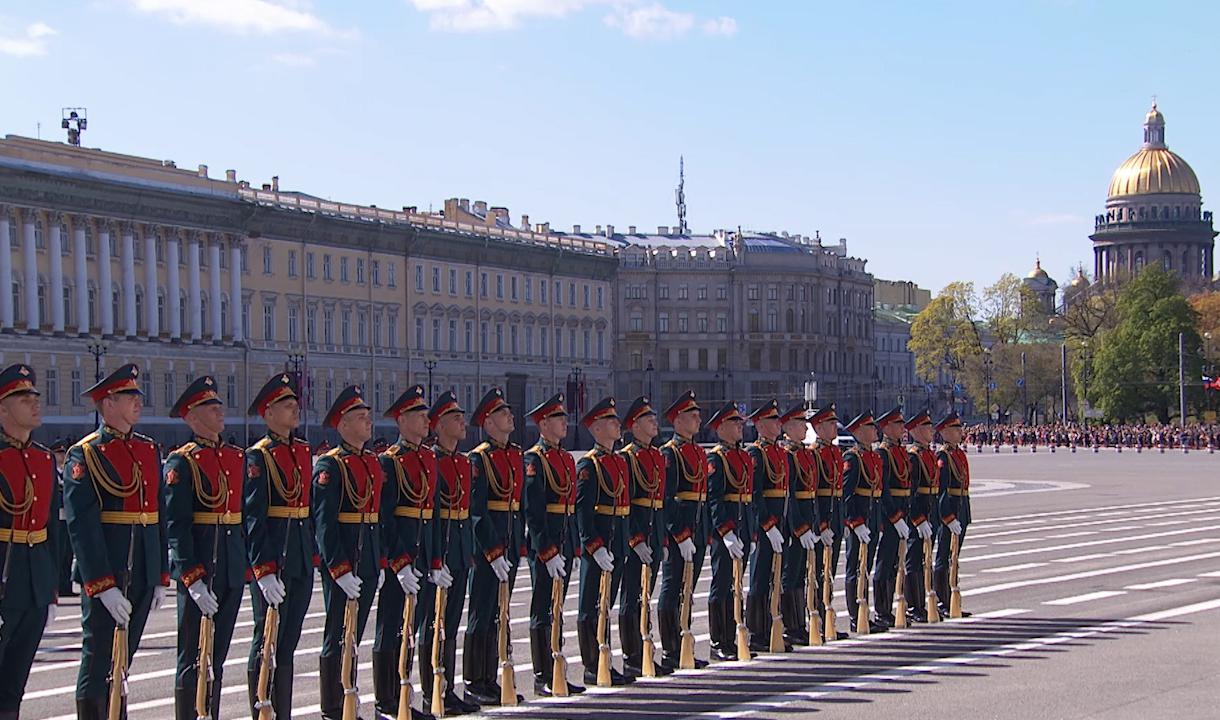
x: 1154, y: 129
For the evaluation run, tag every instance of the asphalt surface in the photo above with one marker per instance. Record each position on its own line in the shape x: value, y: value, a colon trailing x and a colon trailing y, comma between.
x: 1094, y: 580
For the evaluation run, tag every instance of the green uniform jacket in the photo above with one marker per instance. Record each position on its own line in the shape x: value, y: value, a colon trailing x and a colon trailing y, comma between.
x: 29, y: 517
x: 203, y: 498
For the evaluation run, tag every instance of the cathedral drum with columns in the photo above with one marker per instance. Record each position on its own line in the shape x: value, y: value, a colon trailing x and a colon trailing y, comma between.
x: 1154, y: 214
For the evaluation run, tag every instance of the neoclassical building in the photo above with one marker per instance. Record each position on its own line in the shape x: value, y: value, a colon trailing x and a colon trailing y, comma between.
x: 1153, y: 214
x: 185, y: 274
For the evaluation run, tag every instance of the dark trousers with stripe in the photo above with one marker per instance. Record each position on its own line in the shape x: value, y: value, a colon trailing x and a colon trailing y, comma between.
x: 425, y: 618
x: 297, y: 594
x: 97, y: 639
x: 189, y: 617
x: 19, y: 638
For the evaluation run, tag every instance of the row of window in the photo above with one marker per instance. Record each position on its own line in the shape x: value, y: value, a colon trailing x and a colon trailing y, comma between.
x: 511, y: 339
x: 328, y: 265
x: 513, y: 288
x: 794, y: 321
x: 813, y: 360
x: 792, y: 292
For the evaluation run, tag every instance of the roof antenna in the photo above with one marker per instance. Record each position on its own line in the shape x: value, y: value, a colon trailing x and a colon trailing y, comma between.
x: 680, y: 196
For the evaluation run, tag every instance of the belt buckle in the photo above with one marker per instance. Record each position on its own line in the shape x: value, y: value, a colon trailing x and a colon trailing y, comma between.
x: 29, y: 538
x: 144, y: 518
x: 227, y: 517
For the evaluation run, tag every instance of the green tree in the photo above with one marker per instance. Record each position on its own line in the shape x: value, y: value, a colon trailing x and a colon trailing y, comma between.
x: 943, y: 335
x: 1135, y: 366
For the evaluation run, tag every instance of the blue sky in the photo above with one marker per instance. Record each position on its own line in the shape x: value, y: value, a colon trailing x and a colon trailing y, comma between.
x: 944, y: 140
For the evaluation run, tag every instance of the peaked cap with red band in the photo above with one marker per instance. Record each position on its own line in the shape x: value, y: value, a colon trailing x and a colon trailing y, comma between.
x: 893, y: 415
x: 279, y: 387
x: 727, y: 412
x: 642, y: 407
x: 864, y: 418
x: 602, y: 410
x: 411, y: 400
x: 950, y: 420
x: 445, y: 404
x: 492, y: 402
x: 685, y: 402
x: 17, y: 380
x: 821, y: 415
x: 123, y: 380
x: 351, y: 398
x: 769, y: 409
x: 796, y: 412
x: 923, y: 417
x: 551, y: 407
x: 201, y: 391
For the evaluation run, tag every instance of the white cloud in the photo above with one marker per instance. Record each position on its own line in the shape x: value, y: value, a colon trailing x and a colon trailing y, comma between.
x: 30, y: 42
x: 650, y: 22
x: 263, y: 17
x: 724, y: 26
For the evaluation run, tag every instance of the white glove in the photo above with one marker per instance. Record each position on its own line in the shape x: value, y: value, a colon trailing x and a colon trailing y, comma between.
x: 441, y: 577
x: 777, y: 540
x: 203, y: 597
x: 604, y: 559
x: 418, y: 574
x: 955, y: 527
x: 862, y: 532
x: 117, y: 605
x: 687, y: 548
x: 827, y: 537
x: 273, y: 589
x: 808, y: 540
x: 349, y: 584
x: 555, y: 566
x: 406, y: 578
x: 46, y: 628
x: 501, y: 568
x: 904, y: 530
x: 644, y: 552
x: 732, y: 543
x: 380, y: 581
x: 159, y: 594
x: 924, y: 529
x: 665, y: 553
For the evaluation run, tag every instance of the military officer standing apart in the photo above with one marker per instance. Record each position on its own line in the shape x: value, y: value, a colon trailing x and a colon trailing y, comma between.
x: 646, y: 473
x: 730, y: 494
x: 549, y: 503
x: 954, y: 504
x: 59, y: 451
x: 112, y: 494
x: 497, y: 479
x: 861, y: 508
x: 803, y: 519
x: 30, y: 531
x: 410, y: 468
x: 685, y: 521
x: 895, y: 503
x: 279, y: 535
x: 771, y: 466
x: 449, y: 557
x: 203, y: 497
x: 925, y: 481
x: 829, y: 466
x: 603, y: 504
x: 346, y: 499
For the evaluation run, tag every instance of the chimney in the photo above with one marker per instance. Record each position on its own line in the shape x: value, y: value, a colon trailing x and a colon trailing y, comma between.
x: 275, y: 183
x: 410, y: 209
x: 631, y: 229
x: 599, y: 230
x: 525, y: 221
x: 203, y: 171
x: 266, y: 186
x: 499, y: 213
x: 480, y: 207
x: 231, y: 176
x: 575, y: 229
x: 464, y: 204
x: 662, y: 229
x: 543, y: 228
x: 609, y: 231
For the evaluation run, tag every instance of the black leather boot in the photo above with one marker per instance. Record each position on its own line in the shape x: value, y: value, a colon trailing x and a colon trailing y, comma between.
x: 474, y: 669
x: 330, y: 689
x: 758, y: 622
x: 385, y: 683
x: 671, y: 639
x: 91, y: 708
x: 792, y: 613
x: 586, y: 640
x: 281, y: 692
x: 940, y: 583
x: 723, y: 642
x: 540, y: 656
x: 184, y: 704
x: 632, y: 644
x: 252, y: 691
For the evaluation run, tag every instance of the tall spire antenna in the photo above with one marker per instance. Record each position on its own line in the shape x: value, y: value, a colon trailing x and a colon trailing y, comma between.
x: 680, y: 196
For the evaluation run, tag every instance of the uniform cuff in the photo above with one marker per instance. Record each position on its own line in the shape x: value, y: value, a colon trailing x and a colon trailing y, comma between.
x: 897, y: 516
x: 401, y: 562
x: 919, y: 520
x: 768, y: 523
x: 338, y: 571
x: 801, y: 530
x: 382, y: 563
x: 823, y: 526
x: 682, y: 534
x: 494, y: 553
x: 945, y: 520
x: 164, y: 579
x: 636, y: 539
x: 594, y: 545
x: 94, y: 588
x: 267, y: 568
x: 726, y: 527
x: 854, y: 523
x: 547, y: 553
x: 193, y: 575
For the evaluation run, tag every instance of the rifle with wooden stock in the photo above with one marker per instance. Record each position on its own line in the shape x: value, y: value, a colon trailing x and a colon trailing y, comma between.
x: 777, y: 565
x: 271, y: 634
x: 508, y: 676
x: 117, y: 695
x: 648, y: 649
x: 351, y: 619
x: 686, y: 656
x: 559, y: 663
x: 205, y: 675
x: 955, y: 590
x: 438, y: 626
x: 929, y: 592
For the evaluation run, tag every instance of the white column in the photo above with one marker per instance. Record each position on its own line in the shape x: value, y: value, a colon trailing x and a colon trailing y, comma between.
x: 105, y: 291
x: 55, y: 265
x: 80, y: 251
x: 30, y: 257
x: 214, y: 289
x: 150, y: 282
x: 235, y: 292
x: 6, y: 272
x: 192, y: 276
x: 173, y: 303
x: 129, y: 280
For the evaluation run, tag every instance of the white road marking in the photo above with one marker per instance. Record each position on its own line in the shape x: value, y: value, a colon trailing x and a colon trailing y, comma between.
x: 1213, y: 574
x: 1160, y: 584
x: 1000, y: 587
x: 1013, y: 568
x: 1087, y: 597
x: 1082, y: 558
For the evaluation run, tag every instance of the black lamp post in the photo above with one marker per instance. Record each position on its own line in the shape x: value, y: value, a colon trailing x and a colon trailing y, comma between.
x: 648, y: 373
x: 97, y: 350
x: 429, y: 365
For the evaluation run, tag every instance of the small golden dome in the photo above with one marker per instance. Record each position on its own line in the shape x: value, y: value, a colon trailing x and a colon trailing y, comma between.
x: 1153, y: 171
x: 1037, y: 273
x: 1080, y: 280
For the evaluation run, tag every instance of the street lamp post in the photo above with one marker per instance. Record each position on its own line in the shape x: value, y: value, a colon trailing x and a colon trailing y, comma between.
x: 648, y: 373
x: 576, y: 404
x: 429, y: 365
x: 97, y: 350
x: 293, y: 364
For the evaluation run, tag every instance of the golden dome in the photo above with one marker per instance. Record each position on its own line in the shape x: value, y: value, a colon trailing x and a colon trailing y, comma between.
x: 1153, y: 171
x: 1037, y: 273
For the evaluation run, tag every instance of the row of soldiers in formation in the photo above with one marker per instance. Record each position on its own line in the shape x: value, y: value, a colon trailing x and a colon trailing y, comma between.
x: 418, y: 526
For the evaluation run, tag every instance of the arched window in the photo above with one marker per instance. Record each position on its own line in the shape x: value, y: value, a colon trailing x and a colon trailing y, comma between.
x: 1167, y: 260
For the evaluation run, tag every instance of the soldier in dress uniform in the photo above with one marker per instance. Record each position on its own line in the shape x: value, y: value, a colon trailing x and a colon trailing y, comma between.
x: 497, y: 480
x: 31, y: 533
x: 603, y: 504
x: 449, y: 556
x: 685, y: 520
x: 771, y: 480
x: 279, y: 535
x: 410, y: 468
x: 861, y: 508
x: 730, y: 483
x: 346, y: 500
x: 895, y: 504
x: 203, y: 522
x: 925, y: 481
x: 646, y: 472
x: 549, y: 503
x: 803, y: 519
x: 59, y: 451
x: 112, y: 492
x: 953, y: 505
x: 829, y: 466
